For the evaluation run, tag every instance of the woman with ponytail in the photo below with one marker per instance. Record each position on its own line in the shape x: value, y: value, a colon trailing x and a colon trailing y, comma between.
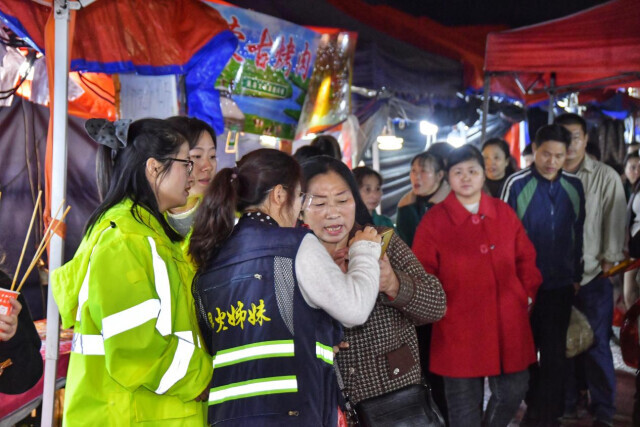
x: 136, y: 354
x: 270, y: 299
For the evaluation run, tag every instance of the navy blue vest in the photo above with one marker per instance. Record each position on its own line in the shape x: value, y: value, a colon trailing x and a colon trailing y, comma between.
x: 273, y: 361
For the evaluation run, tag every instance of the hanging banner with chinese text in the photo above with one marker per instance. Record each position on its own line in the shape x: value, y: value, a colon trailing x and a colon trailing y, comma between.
x: 269, y: 73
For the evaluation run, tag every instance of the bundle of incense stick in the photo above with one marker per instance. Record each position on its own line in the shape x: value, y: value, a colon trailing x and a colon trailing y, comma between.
x: 46, y: 238
x: 26, y: 239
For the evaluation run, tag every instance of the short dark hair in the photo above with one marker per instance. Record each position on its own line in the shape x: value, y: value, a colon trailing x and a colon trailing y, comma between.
x: 306, y: 152
x: 593, y: 149
x: 436, y: 161
x: 629, y: 156
x: 328, y: 145
x: 464, y: 153
x: 528, y: 150
x: 500, y: 143
x: 553, y: 132
x: 324, y: 164
x: 571, y: 119
x: 192, y: 128
x: 440, y: 149
x: 361, y: 172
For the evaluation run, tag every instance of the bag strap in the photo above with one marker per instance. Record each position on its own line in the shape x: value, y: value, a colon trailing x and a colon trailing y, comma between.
x: 348, y: 405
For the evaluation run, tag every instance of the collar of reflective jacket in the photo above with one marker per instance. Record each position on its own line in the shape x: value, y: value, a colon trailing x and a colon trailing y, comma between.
x: 67, y: 280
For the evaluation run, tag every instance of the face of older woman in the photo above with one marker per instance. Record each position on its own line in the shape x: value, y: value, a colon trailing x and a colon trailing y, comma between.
x: 495, y: 162
x: 424, y: 179
x: 332, y: 211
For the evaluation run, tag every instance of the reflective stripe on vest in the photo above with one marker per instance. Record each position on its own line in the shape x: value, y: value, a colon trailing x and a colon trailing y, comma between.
x: 260, y: 350
x: 179, y: 365
x: 89, y: 345
x: 161, y: 279
x: 143, y: 312
x: 259, y: 387
x: 324, y: 352
x: 83, y: 295
x: 130, y: 318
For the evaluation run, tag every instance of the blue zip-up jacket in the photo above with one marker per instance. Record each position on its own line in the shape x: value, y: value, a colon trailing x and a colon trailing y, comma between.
x: 553, y: 214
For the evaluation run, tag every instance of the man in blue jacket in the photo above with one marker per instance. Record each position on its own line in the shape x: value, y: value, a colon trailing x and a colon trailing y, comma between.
x: 550, y: 203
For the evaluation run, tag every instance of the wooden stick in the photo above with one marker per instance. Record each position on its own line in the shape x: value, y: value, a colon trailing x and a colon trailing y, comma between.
x: 26, y: 241
x: 46, y: 232
x: 45, y: 242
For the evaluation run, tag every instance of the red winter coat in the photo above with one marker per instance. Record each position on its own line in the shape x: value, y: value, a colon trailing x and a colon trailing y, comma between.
x: 487, y: 266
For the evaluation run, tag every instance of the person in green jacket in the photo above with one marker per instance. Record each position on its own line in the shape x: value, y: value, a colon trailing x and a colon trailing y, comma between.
x: 137, y: 357
x: 428, y: 187
x: 370, y: 186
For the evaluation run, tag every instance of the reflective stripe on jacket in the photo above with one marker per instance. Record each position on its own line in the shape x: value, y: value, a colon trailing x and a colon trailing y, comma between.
x: 136, y: 354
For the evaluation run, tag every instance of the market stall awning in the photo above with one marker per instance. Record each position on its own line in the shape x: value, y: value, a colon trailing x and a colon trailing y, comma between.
x: 594, y: 48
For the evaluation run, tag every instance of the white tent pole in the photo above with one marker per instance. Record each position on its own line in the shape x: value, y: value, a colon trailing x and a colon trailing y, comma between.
x: 58, y: 193
x: 485, y: 105
x: 375, y: 151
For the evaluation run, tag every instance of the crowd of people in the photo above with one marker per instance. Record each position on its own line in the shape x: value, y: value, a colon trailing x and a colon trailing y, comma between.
x: 269, y: 293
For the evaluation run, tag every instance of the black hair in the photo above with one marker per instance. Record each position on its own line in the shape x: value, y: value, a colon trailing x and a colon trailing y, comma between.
x: 593, y: 149
x: 441, y: 150
x: 437, y: 162
x: 629, y: 156
x: 328, y: 145
x: 464, y: 153
x: 553, y: 132
x: 126, y: 173
x: 236, y: 189
x: 500, y: 143
x: 192, y: 129
x: 324, y: 164
x: 571, y: 119
x: 306, y: 152
x: 528, y: 150
x: 361, y: 172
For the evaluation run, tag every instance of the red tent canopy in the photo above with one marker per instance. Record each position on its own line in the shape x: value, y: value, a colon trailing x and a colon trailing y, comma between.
x: 599, y: 47
x: 465, y: 44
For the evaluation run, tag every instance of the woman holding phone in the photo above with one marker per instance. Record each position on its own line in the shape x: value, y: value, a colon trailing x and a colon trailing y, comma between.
x: 382, y: 355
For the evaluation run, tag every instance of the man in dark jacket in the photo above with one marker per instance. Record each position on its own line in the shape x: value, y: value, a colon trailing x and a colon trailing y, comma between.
x: 550, y: 203
x: 20, y: 343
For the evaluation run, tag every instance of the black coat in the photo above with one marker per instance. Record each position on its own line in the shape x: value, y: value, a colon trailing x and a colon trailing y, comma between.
x: 24, y: 351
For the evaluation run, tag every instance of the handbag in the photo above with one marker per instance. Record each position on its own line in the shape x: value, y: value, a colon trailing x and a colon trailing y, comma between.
x: 629, y: 341
x: 579, y: 334
x: 409, y: 406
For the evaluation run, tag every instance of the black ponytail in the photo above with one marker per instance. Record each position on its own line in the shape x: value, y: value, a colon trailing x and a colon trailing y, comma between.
x: 235, y: 190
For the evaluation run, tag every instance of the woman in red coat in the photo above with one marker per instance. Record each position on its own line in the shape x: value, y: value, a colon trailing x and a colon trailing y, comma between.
x: 477, y: 247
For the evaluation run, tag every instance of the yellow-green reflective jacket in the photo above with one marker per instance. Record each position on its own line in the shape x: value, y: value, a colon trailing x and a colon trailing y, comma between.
x: 137, y: 354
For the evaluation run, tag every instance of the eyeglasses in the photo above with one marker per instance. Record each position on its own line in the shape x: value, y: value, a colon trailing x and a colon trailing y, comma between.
x: 305, y: 199
x: 189, y: 163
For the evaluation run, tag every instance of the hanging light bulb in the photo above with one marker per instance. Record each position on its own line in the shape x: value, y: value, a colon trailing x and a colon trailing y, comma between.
x: 388, y: 140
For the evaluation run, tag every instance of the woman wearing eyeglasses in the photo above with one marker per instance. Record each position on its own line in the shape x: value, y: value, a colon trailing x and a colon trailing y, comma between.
x: 136, y: 357
x: 382, y: 355
x: 269, y: 297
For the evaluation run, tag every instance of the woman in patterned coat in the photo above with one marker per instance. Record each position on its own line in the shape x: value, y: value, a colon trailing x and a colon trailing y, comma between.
x: 382, y: 355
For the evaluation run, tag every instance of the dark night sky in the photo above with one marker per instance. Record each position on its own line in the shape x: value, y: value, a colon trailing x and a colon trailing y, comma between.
x: 513, y: 13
